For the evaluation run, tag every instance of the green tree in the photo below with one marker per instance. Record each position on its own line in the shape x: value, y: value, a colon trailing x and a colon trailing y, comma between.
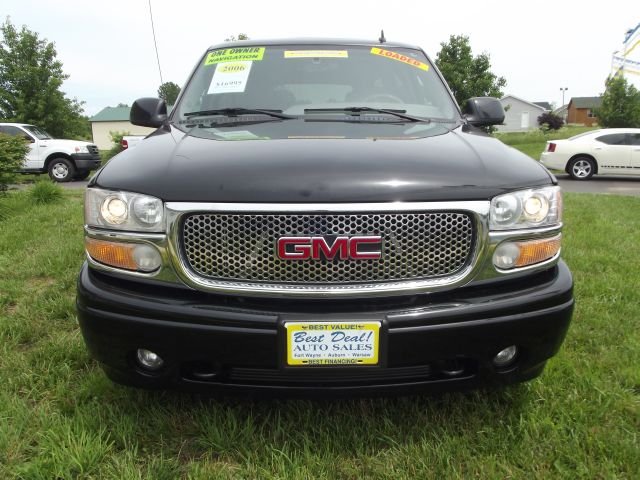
x: 13, y: 150
x: 233, y: 38
x: 31, y: 78
x: 467, y: 76
x: 169, y: 91
x: 620, y: 105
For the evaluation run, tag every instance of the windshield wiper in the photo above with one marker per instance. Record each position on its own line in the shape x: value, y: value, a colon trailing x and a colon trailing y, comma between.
x: 397, y: 113
x: 234, y: 111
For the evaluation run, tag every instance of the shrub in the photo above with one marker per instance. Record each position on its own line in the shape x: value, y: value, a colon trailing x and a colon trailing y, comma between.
x: 13, y: 150
x: 45, y: 191
x: 116, y: 148
x: 550, y: 121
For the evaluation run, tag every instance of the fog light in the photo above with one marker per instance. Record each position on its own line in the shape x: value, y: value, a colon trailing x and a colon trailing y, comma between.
x: 506, y: 255
x: 505, y: 357
x: 147, y: 258
x: 148, y: 359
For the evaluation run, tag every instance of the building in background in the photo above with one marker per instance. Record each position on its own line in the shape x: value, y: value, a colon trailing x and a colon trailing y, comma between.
x: 581, y: 110
x: 520, y: 115
x: 113, y: 119
x: 545, y: 105
x: 562, y: 112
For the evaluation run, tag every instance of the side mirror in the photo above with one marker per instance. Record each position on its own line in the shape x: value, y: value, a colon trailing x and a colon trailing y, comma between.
x: 483, y: 111
x: 29, y: 139
x: 148, y: 112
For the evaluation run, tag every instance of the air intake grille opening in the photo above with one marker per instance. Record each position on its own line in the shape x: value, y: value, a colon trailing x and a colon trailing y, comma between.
x: 242, y: 247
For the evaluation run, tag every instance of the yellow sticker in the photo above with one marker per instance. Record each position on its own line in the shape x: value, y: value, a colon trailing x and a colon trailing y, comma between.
x: 238, y: 54
x: 316, y: 54
x: 332, y: 343
x: 399, y: 57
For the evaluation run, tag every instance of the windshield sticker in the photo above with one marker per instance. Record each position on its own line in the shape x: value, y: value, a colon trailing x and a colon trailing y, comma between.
x: 401, y: 58
x: 316, y: 54
x: 230, y: 77
x: 238, y: 135
x: 235, y: 54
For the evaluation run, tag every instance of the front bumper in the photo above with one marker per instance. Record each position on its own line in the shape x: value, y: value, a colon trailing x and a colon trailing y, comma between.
x: 214, y: 343
x: 87, y: 161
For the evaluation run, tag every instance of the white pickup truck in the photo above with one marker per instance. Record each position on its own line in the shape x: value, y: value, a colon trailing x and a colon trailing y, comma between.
x: 64, y: 160
x: 130, y: 141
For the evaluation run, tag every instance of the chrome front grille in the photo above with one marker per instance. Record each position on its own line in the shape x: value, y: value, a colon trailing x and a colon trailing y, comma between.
x: 241, y: 247
x: 93, y: 149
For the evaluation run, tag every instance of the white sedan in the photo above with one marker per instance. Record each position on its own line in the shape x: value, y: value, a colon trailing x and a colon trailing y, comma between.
x: 613, y: 151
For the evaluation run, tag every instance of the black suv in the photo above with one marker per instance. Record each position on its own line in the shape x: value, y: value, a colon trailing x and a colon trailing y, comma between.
x: 319, y: 216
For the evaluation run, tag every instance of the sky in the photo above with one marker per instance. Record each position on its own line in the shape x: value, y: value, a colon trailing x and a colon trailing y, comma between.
x: 108, y: 52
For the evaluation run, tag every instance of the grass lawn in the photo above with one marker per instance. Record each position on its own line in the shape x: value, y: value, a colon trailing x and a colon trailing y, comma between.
x: 532, y: 143
x: 61, y: 418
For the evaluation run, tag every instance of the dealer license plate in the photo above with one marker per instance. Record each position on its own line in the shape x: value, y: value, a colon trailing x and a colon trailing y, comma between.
x: 332, y: 343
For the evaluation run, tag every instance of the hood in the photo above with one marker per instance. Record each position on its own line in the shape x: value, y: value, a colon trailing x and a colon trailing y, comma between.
x: 316, y: 162
x: 68, y: 143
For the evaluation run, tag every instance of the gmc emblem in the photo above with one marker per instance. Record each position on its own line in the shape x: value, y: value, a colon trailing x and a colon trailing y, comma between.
x: 361, y: 247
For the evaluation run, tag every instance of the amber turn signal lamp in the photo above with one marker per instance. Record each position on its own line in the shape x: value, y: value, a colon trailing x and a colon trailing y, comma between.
x: 114, y: 254
x: 523, y: 253
x: 536, y: 251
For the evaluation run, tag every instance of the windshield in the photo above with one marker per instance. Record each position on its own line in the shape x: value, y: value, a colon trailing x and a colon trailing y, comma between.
x: 305, y: 80
x: 37, y: 132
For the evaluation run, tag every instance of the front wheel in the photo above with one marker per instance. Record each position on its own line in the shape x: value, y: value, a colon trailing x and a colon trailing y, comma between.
x: 581, y: 168
x: 61, y: 170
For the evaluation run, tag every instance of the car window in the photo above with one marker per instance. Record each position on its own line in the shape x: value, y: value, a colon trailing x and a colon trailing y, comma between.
x: 613, y: 139
x: 38, y: 132
x: 634, y: 138
x: 11, y: 130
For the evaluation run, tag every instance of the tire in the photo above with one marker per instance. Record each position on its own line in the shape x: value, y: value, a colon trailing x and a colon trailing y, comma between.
x: 581, y: 168
x: 61, y: 170
x: 82, y: 175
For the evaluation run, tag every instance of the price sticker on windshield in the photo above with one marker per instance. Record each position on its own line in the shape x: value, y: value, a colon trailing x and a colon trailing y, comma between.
x: 230, y: 77
x: 400, y: 58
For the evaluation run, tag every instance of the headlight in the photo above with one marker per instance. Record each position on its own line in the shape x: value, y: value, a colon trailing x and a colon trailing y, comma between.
x: 539, y: 207
x: 123, y: 211
x: 82, y: 149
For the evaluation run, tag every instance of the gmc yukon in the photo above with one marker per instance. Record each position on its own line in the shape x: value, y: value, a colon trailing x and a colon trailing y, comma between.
x: 319, y: 216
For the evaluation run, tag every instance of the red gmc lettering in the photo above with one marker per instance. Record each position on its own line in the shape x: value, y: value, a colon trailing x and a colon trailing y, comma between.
x: 317, y: 248
x: 355, y: 242
x: 341, y: 245
x: 301, y: 248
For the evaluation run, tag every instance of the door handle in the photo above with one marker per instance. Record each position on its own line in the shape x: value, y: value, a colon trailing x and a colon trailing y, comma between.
x: 41, y: 146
